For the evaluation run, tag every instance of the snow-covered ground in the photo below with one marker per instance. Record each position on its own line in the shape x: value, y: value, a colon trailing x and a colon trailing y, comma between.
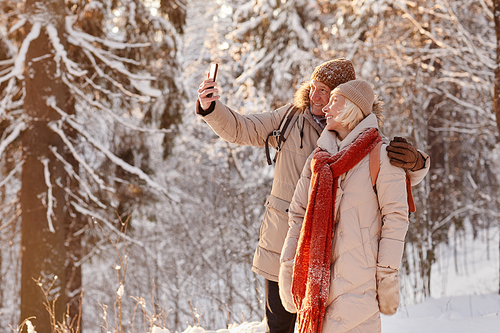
x: 471, y: 269
x: 444, y: 315
x: 465, y: 292
x: 480, y: 313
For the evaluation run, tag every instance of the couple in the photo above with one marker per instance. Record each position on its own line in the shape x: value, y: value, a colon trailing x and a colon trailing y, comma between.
x: 338, y: 228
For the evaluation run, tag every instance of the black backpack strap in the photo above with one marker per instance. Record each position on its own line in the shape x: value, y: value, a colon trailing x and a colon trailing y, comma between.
x: 280, y: 133
x: 268, y: 156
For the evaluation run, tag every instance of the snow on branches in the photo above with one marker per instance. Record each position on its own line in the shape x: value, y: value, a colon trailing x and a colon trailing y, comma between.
x: 114, y: 67
x: 16, y: 130
x: 49, y: 197
x: 118, y: 161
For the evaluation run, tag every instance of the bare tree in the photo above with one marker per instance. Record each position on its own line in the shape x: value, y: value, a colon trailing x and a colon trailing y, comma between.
x: 496, y: 91
x: 496, y: 96
x: 68, y: 75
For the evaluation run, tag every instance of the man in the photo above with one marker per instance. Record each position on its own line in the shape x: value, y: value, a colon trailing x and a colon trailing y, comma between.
x: 301, y: 139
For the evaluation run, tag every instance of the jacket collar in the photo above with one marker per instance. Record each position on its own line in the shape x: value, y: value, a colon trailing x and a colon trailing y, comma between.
x: 331, y: 143
x: 307, y: 114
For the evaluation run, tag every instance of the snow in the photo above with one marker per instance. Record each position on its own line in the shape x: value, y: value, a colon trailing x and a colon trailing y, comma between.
x: 19, y: 63
x: 118, y: 161
x: 156, y: 329
x: 451, y: 314
x: 79, y: 36
x: 465, y: 292
x: 18, y: 25
x: 79, y: 158
x: 246, y: 327
x: 71, y: 172
x: 115, y: 159
x: 49, y: 198
x: 475, y: 270
x: 85, y: 41
x: 30, y: 327
x: 144, y: 86
x: 12, y: 136
x: 11, y: 174
x: 120, y: 290
x: 61, y: 54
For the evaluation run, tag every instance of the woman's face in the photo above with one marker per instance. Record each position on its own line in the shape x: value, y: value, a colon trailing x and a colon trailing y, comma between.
x: 334, y: 107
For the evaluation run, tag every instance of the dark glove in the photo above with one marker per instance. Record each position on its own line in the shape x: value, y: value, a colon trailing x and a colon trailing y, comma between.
x: 402, y: 154
x: 203, y: 113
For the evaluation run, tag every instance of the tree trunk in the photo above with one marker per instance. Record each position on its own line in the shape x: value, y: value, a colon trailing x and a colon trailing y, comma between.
x: 43, y: 250
x: 496, y: 93
x: 2, y: 283
x: 496, y: 96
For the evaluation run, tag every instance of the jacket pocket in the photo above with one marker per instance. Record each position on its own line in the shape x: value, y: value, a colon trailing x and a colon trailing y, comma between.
x: 277, y: 203
x: 275, y: 224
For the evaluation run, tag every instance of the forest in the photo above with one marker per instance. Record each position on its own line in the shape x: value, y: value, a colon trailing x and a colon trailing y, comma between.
x: 121, y: 210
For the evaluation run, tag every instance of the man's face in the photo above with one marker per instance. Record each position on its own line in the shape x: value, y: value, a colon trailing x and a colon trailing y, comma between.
x: 318, y: 97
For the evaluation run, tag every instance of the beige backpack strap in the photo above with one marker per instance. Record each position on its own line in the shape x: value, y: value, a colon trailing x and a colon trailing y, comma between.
x: 375, y: 168
x: 375, y: 163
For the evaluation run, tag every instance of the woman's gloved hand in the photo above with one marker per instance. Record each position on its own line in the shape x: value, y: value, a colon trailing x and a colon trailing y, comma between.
x: 285, y: 286
x: 387, y: 290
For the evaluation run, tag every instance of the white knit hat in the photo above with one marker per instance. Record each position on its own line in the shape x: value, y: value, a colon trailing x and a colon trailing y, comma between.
x: 359, y: 92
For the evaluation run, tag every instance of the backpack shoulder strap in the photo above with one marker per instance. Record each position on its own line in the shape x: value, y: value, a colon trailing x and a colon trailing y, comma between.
x: 409, y: 194
x: 374, y: 170
x: 281, y: 133
x: 290, y: 118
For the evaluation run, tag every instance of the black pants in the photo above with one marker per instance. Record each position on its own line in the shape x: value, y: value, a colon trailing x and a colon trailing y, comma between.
x: 278, y: 319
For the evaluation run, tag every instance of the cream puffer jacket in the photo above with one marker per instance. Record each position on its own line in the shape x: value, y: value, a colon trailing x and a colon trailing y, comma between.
x: 368, y: 239
x: 252, y: 130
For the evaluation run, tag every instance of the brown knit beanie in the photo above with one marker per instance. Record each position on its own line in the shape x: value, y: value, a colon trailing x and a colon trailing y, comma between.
x: 334, y: 72
x: 359, y: 92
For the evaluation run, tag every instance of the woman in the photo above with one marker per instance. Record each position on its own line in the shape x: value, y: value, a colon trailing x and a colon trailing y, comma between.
x: 340, y: 259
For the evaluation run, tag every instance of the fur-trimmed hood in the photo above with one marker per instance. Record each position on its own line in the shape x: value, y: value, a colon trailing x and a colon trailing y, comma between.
x: 301, y: 96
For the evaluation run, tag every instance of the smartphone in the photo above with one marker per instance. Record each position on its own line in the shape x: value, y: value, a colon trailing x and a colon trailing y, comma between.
x: 213, y: 74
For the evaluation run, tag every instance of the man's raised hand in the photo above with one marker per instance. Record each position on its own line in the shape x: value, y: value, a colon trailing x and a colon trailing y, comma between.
x: 207, y: 87
x: 402, y: 154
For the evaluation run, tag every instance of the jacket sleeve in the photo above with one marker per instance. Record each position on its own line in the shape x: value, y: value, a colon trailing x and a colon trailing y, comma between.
x: 391, y: 190
x: 417, y: 176
x: 296, y: 215
x: 248, y: 130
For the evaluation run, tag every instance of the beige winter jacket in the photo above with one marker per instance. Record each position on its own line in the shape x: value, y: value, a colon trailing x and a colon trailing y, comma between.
x: 253, y: 130
x: 365, y: 238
